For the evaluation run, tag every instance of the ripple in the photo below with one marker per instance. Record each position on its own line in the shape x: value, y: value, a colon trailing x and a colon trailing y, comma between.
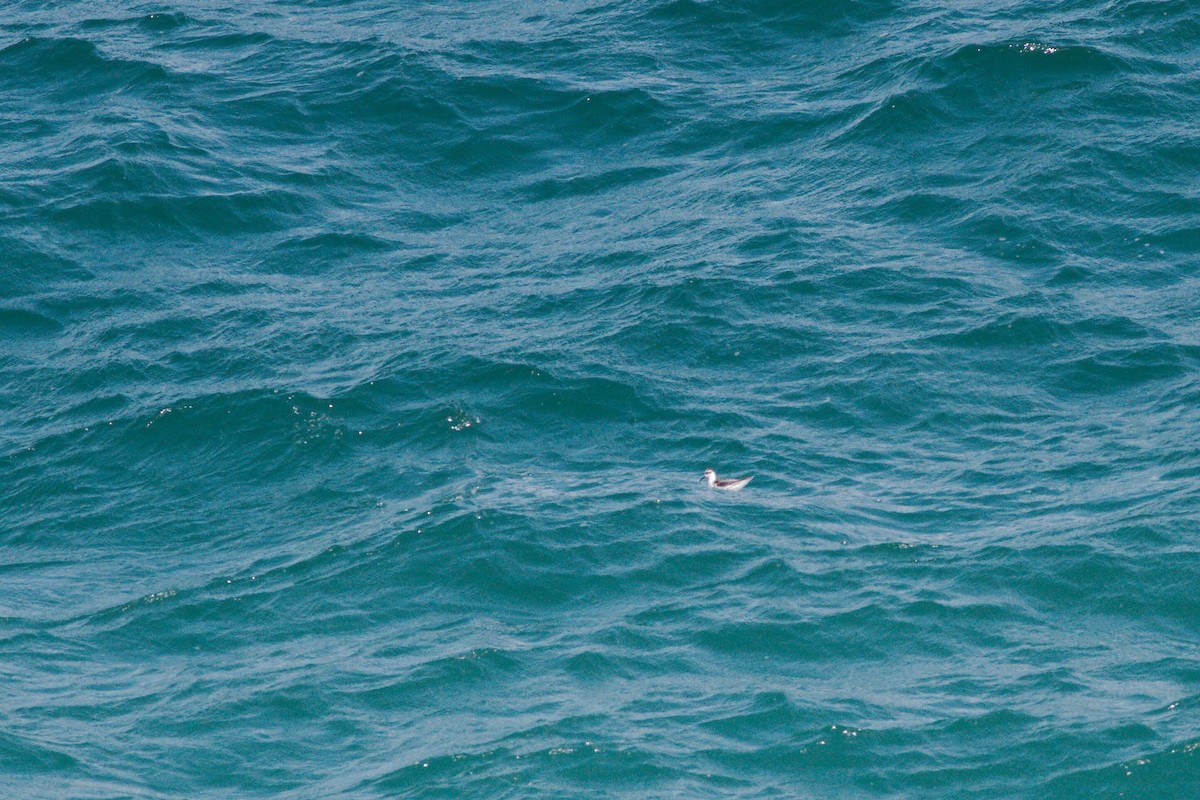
x: 361, y: 365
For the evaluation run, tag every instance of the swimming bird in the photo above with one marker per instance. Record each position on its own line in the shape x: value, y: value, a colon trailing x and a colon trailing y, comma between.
x: 729, y: 485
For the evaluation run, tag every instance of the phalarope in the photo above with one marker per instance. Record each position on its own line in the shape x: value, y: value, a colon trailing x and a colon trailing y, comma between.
x: 728, y: 484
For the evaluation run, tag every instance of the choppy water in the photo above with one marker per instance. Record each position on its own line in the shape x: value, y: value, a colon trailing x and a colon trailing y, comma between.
x: 359, y: 362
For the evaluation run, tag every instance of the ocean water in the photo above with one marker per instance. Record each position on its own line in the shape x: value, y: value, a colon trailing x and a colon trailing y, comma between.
x: 359, y: 362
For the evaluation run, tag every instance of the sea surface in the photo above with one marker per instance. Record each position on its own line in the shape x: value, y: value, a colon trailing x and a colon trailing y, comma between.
x: 360, y: 361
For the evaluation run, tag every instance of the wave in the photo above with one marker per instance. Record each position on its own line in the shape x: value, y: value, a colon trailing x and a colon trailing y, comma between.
x: 232, y: 212
x: 434, y: 407
x: 156, y: 22
x: 475, y: 121
x: 943, y: 91
x: 32, y: 757
x: 22, y: 323
x: 605, y: 181
x: 1119, y: 369
x: 1024, y: 329
x: 745, y: 18
x: 1155, y: 771
x: 311, y: 252
x: 71, y: 66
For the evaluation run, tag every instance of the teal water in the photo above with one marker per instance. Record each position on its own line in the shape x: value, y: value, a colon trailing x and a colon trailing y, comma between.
x: 359, y: 363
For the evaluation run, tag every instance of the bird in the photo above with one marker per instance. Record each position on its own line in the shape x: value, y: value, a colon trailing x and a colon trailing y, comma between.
x: 729, y: 485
